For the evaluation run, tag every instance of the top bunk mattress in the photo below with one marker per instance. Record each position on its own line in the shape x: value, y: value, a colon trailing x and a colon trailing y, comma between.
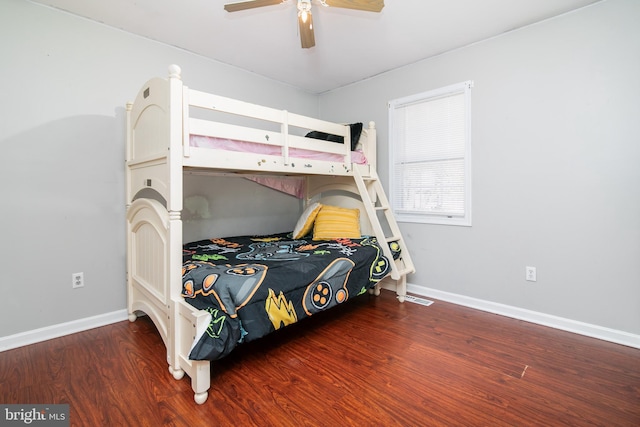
x: 210, y: 142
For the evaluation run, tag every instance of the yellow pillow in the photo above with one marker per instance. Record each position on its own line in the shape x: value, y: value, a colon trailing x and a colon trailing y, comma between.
x: 305, y: 222
x: 334, y: 222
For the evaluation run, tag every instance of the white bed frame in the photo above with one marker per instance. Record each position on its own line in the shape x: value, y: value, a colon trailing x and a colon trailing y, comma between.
x: 159, y: 122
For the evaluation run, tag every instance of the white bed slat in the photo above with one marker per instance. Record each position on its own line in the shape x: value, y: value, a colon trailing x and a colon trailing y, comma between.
x: 240, y: 133
x: 233, y: 106
x: 311, y: 123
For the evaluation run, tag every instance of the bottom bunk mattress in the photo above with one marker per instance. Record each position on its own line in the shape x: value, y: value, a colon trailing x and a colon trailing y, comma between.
x: 254, y: 285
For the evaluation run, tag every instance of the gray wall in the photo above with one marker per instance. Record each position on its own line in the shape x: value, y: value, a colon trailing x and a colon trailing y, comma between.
x: 65, y: 81
x: 556, y: 155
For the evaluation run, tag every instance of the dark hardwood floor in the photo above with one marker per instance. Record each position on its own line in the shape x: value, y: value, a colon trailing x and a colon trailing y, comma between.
x: 371, y: 362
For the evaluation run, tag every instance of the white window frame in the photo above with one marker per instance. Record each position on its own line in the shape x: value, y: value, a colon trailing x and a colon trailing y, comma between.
x: 427, y: 215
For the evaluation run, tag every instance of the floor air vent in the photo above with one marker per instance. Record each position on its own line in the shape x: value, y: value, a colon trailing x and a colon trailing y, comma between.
x: 417, y: 300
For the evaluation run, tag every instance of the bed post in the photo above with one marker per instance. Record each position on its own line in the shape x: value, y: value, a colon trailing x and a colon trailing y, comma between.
x: 174, y: 204
x: 174, y: 208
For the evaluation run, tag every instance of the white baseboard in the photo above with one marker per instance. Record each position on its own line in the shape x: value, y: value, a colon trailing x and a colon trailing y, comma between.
x: 594, y: 331
x: 62, y: 329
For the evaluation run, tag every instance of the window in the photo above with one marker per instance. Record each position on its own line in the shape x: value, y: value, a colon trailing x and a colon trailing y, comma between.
x: 430, y: 156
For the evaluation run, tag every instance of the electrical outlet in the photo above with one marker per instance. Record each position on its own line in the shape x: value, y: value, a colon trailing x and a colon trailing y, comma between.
x: 530, y: 274
x: 77, y: 280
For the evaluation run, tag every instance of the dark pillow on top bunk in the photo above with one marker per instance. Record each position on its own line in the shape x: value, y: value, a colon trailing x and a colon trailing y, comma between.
x: 356, y: 130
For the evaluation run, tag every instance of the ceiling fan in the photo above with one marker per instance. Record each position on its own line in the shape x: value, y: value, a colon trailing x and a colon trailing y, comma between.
x: 305, y: 20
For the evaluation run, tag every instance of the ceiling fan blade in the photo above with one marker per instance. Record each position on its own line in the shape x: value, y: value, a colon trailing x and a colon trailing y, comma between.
x: 244, y: 5
x: 367, y: 5
x: 307, y: 38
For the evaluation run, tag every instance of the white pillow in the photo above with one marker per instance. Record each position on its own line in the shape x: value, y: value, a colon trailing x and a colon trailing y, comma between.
x: 364, y: 137
x: 305, y: 222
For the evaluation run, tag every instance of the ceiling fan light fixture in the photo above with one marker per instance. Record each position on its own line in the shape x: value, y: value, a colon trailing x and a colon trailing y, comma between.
x: 304, y: 9
x: 305, y: 24
x: 305, y: 20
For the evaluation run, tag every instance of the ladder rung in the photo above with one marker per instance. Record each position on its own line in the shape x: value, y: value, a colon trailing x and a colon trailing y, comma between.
x: 405, y: 271
x: 402, y: 267
x: 392, y: 239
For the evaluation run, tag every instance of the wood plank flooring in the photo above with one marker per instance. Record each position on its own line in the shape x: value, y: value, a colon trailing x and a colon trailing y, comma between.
x: 371, y: 362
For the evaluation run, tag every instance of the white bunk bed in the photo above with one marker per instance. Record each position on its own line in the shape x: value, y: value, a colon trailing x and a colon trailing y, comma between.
x: 161, y: 124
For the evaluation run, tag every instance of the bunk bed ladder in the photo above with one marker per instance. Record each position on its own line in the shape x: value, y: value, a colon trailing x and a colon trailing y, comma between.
x: 377, y: 207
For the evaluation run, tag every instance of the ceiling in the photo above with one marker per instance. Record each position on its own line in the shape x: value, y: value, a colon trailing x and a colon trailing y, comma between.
x: 350, y: 45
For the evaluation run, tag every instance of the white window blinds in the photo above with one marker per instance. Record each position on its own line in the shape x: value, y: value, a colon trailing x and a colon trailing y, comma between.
x: 430, y: 156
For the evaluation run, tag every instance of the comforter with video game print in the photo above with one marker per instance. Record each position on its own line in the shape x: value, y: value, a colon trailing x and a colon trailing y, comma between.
x: 252, y: 286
